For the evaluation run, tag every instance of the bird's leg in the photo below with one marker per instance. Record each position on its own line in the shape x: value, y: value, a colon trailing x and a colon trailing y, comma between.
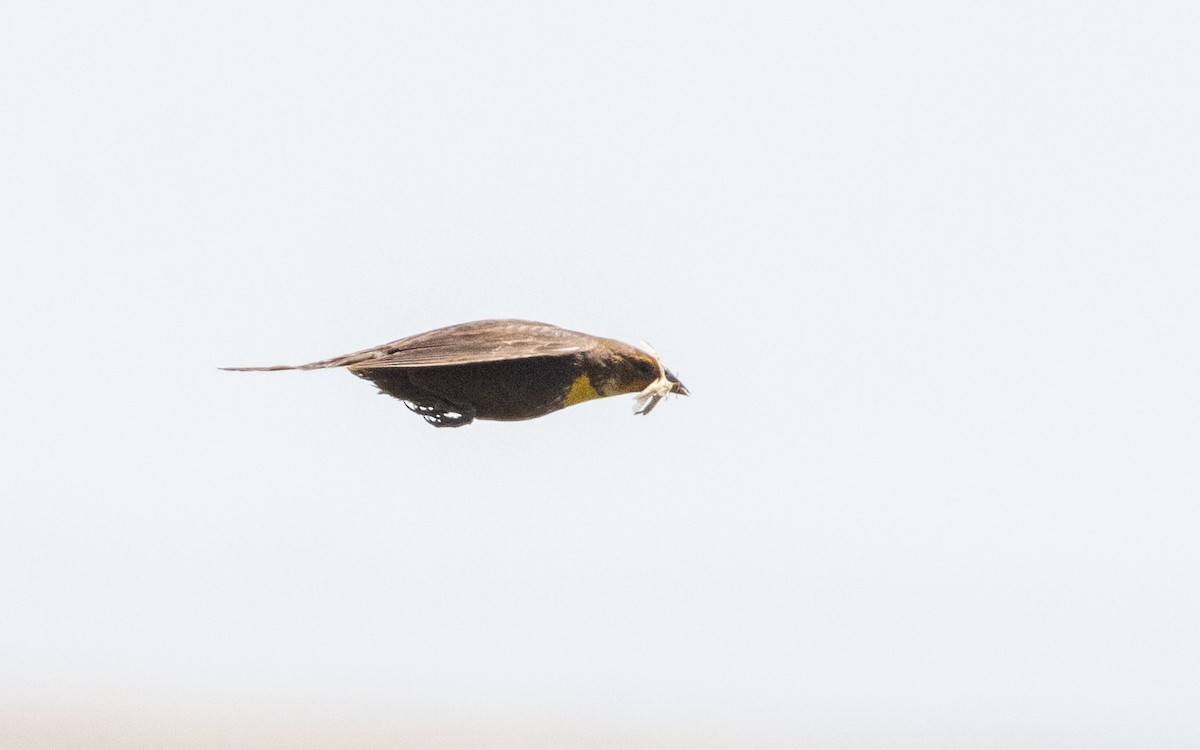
x: 441, y: 413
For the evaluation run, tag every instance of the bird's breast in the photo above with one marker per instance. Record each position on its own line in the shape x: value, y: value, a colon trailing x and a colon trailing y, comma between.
x: 581, y: 390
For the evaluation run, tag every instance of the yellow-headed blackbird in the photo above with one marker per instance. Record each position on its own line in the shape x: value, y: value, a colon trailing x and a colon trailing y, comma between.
x: 503, y: 370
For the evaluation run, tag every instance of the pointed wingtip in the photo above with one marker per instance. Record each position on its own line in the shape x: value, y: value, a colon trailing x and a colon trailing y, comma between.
x: 272, y: 368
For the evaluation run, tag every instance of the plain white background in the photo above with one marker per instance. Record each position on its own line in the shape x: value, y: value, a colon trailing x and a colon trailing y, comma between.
x: 929, y: 269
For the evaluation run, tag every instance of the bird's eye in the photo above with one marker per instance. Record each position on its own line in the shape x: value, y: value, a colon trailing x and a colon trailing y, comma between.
x: 644, y: 367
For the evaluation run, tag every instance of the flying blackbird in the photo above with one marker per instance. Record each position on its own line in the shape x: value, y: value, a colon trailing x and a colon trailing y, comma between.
x: 504, y: 370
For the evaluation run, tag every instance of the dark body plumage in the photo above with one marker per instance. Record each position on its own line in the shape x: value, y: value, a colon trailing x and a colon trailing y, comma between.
x: 503, y: 370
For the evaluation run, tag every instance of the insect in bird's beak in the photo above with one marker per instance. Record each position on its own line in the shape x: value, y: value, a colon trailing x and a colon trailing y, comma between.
x: 665, y: 383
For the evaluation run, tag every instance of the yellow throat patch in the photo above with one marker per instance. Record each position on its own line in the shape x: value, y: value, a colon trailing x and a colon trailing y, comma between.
x: 581, y: 390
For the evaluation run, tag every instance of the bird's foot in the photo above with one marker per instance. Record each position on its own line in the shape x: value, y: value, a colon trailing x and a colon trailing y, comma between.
x: 443, y: 413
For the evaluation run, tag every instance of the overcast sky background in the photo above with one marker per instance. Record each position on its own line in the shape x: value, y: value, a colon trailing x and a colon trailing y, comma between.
x: 930, y: 271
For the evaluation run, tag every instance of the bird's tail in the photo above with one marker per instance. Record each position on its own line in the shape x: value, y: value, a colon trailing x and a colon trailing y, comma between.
x: 346, y: 360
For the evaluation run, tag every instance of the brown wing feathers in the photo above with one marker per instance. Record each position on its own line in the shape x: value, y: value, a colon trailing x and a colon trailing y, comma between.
x: 482, y: 341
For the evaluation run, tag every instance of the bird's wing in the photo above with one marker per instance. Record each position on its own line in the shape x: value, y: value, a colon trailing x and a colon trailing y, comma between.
x: 466, y: 343
x: 482, y: 341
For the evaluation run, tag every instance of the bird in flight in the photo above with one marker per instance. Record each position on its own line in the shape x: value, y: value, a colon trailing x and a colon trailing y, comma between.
x: 505, y: 370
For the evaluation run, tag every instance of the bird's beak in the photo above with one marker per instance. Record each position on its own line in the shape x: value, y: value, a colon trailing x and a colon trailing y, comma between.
x: 676, y: 386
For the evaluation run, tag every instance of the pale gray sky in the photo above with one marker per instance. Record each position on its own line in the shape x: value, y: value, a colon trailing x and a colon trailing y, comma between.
x: 929, y: 270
